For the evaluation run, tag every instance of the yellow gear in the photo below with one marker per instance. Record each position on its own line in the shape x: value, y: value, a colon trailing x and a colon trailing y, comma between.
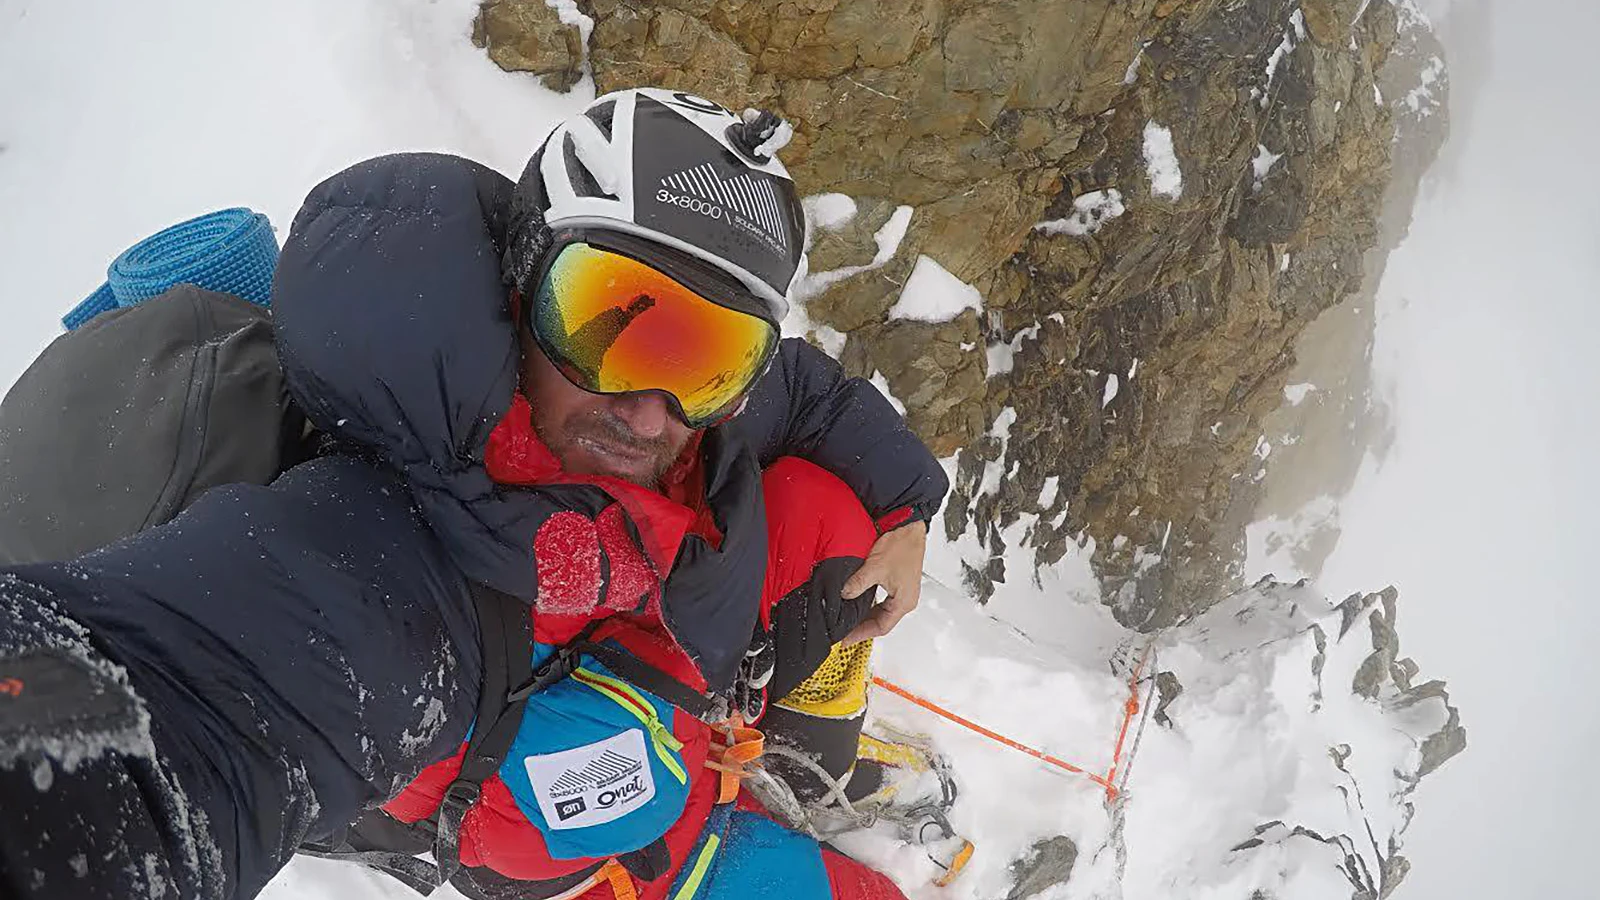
x: 838, y: 688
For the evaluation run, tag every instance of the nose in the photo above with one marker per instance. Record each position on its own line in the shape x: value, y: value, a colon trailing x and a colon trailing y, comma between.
x: 644, y: 413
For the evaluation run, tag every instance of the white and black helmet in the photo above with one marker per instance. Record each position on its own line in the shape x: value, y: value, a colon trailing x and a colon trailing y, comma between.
x: 693, y: 186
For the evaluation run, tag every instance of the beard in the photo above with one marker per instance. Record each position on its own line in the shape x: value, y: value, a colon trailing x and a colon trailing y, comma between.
x: 571, y: 441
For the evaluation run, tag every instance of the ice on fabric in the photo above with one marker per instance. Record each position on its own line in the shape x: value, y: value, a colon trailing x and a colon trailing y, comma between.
x: 777, y: 141
x: 31, y: 622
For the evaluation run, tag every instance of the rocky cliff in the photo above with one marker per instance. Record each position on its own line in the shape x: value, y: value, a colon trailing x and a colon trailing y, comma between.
x: 1153, y: 198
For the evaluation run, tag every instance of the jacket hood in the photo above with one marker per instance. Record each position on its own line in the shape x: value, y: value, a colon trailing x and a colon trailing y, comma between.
x: 395, y: 336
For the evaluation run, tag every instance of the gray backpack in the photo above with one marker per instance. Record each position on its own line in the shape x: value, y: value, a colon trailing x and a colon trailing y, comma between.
x: 122, y: 423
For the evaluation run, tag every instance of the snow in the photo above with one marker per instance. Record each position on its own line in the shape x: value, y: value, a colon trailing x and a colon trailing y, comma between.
x: 829, y: 212
x: 1132, y: 74
x: 1090, y: 211
x: 1047, y: 493
x: 811, y: 284
x: 1248, y: 747
x: 1002, y: 424
x: 368, y: 77
x: 887, y: 238
x: 1292, y: 37
x: 1110, y: 391
x: 831, y: 340
x: 882, y: 384
x: 1161, y: 161
x: 1296, y: 393
x: 1486, y: 522
x: 781, y: 136
x: 1262, y: 163
x: 569, y: 14
x: 1249, y: 743
x: 932, y: 294
x: 1002, y: 357
x: 1421, y: 100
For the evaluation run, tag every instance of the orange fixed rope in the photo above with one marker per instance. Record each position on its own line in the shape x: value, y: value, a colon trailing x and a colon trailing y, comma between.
x: 936, y: 709
x: 1129, y: 710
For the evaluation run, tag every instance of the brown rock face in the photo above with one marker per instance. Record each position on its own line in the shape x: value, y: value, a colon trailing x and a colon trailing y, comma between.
x: 526, y: 36
x: 990, y: 117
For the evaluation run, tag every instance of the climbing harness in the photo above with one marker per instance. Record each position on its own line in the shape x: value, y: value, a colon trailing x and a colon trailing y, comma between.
x: 922, y: 821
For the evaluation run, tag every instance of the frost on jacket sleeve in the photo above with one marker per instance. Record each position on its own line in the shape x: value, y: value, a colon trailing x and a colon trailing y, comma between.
x: 187, y: 706
x: 805, y: 406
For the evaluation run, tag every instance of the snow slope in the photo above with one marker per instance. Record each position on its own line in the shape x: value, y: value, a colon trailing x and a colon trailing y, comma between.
x: 139, y: 115
x: 117, y: 119
x: 1482, y: 511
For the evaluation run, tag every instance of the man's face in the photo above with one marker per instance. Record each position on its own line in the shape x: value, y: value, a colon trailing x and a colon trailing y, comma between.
x: 630, y: 436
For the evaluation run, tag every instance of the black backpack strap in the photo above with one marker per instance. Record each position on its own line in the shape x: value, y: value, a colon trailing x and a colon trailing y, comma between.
x: 648, y: 862
x: 418, y: 874
x: 379, y: 841
x: 705, y: 707
x: 507, y: 641
x: 507, y: 651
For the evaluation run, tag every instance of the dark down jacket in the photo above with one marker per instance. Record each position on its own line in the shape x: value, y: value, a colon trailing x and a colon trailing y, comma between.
x: 279, y: 658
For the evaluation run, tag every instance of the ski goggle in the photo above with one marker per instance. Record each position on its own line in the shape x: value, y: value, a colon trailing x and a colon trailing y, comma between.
x: 613, y: 324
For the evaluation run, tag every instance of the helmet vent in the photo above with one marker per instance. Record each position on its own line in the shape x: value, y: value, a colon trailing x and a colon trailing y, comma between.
x: 583, y: 183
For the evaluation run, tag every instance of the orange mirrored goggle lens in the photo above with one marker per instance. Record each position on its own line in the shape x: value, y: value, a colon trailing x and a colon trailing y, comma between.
x: 615, y: 324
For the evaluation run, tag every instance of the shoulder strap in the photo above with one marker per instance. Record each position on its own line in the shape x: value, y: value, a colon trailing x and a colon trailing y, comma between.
x: 507, y: 648
x: 507, y: 642
x: 705, y: 707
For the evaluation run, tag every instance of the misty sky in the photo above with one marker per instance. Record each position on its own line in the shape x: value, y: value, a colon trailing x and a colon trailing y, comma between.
x: 1482, y: 513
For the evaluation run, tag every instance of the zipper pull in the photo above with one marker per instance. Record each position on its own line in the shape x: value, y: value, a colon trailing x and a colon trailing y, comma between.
x: 658, y: 730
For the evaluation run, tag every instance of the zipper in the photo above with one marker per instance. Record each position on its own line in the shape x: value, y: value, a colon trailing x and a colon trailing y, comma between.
x: 623, y: 694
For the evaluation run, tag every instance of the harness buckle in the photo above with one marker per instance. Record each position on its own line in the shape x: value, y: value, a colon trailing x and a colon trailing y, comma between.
x: 560, y: 664
x: 460, y: 795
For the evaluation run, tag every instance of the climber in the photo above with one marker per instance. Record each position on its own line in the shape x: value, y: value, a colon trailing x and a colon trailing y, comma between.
x: 565, y: 397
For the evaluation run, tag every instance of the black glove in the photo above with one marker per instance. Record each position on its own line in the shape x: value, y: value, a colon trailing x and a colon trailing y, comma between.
x: 810, y: 619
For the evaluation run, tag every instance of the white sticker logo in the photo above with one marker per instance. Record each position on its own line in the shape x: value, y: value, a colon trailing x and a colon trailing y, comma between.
x: 592, y: 784
x: 700, y: 189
